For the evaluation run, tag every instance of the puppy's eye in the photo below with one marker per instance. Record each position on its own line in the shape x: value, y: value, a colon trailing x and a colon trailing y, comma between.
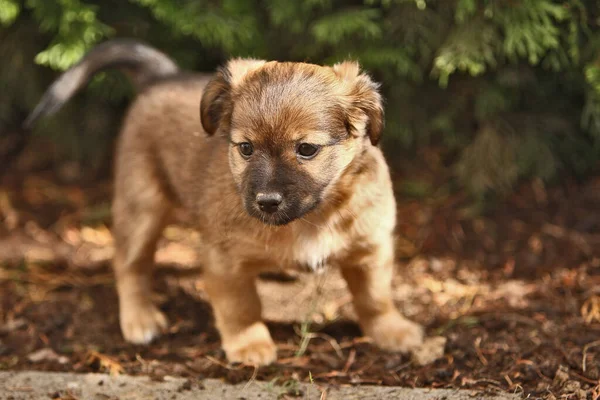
x: 246, y: 149
x: 307, y: 151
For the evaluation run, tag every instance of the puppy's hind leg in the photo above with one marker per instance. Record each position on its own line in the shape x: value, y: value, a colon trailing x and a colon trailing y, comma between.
x: 140, y: 211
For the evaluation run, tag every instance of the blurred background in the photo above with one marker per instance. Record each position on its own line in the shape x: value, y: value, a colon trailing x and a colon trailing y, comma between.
x: 498, y: 91
x: 493, y: 135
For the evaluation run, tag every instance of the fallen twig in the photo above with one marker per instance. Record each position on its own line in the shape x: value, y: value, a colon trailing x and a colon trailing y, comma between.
x: 350, y: 361
x: 585, y: 349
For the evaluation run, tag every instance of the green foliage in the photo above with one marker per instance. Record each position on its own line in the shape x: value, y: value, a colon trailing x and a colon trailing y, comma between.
x: 332, y: 29
x: 511, y: 89
x: 469, y: 49
x: 230, y: 25
x: 592, y: 76
x: 9, y: 11
x: 76, y: 30
x: 531, y: 29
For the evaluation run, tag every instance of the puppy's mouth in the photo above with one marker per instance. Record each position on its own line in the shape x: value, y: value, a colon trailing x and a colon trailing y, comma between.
x: 280, y: 217
x: 277, y: 218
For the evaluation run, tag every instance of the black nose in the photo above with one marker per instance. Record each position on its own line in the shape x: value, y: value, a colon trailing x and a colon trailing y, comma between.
x: 269, y: 202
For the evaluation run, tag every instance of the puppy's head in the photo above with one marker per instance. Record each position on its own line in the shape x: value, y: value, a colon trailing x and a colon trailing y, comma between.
x: 293, y: 128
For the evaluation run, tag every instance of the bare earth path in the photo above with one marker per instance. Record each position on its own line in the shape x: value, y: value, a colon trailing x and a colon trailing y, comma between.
x: 47, y: 385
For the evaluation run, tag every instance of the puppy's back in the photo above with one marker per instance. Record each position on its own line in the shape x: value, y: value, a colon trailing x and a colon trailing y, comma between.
x: 164, y: 123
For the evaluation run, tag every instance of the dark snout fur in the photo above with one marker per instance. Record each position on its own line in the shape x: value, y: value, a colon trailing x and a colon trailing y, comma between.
x: 271, y: 175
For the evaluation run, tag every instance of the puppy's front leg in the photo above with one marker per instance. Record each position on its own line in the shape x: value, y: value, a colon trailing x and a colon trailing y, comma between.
x: 237, y: 308
x: 369, y: 278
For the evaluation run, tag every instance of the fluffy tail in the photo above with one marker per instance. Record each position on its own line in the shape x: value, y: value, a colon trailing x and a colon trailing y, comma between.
x: 141, y: 62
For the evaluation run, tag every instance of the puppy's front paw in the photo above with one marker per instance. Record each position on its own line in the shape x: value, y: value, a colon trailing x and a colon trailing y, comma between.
x: 255, y: 353
x: 393, y: 332
x: 251, y: 346
x: 142, y: 323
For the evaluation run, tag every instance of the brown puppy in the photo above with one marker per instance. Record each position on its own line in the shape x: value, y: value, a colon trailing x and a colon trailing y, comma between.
x: 286, y: 172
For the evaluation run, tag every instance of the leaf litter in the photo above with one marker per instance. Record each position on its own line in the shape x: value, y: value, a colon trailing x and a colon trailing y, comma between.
x: 509, y: 299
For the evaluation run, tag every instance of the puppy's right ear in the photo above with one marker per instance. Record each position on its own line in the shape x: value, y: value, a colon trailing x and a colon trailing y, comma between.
x: 216, y: 103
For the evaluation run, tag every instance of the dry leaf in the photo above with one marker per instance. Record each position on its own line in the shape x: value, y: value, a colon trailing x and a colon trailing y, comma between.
x: 105, y: 363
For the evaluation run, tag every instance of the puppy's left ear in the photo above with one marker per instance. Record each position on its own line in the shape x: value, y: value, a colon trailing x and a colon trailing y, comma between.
x: 365, y: 114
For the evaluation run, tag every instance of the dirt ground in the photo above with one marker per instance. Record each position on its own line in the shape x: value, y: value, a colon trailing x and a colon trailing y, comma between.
x: 516, y: 293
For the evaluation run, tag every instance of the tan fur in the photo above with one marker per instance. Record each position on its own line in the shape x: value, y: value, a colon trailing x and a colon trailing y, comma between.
x: 166, y: 160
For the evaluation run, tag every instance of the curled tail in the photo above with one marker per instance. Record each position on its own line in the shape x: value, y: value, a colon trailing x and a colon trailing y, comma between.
x: 142, y: 63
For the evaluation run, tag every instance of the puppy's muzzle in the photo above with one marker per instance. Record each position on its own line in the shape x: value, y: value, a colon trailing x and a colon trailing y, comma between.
x: 269, y: 202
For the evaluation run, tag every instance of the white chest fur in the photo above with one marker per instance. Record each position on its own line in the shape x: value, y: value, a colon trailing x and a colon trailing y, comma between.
x: 313, y: 250
x: 314, y: 246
